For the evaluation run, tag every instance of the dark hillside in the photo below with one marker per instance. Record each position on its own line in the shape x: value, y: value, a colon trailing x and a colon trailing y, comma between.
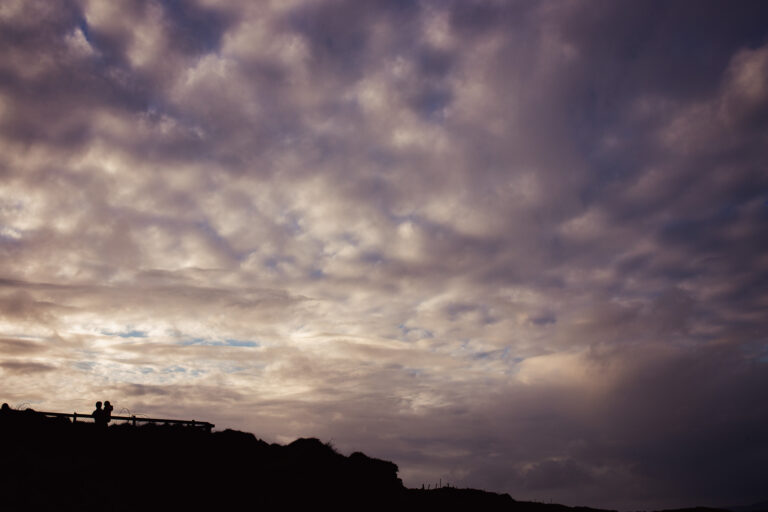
x: 53, y: 464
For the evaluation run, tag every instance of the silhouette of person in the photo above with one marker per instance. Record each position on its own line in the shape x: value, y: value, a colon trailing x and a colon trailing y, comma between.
x: 107, y: 412
x: 98, y: 416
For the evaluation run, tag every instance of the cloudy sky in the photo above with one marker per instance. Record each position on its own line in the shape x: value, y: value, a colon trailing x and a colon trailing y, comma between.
x: 516, y: 246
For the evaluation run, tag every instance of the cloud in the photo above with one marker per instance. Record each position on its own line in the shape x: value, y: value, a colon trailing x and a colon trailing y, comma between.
x: 20, y: 346
x: 25, y: 367
x: 512, y: 246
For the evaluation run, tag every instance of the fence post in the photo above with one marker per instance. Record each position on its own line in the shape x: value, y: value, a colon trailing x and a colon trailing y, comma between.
x: 133, y: 420
x: 74, y: 418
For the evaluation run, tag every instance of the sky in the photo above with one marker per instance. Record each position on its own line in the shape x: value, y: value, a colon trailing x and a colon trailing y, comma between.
x: 515, y: 246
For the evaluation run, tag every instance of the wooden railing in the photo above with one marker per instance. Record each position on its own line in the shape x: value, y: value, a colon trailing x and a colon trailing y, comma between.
x: 133, y: 419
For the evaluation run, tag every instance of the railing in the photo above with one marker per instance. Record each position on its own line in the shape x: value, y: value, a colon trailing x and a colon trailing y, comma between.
x: 133, y: 419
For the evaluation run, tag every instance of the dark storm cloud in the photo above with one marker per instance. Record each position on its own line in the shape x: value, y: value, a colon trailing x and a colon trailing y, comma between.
x: 515, y: 246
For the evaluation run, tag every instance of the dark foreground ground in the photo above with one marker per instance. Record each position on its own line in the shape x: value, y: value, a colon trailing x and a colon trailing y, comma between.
x: 52, y: 464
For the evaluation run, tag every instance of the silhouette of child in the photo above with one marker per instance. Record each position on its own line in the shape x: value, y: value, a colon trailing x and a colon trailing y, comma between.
x: 98, y: 416
x: 107, y: 412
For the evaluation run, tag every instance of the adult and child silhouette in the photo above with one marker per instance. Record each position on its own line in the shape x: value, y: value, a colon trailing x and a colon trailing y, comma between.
x: 101, y: 417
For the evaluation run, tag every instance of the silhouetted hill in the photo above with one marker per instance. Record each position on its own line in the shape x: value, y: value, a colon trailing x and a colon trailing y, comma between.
x: 53, y: 464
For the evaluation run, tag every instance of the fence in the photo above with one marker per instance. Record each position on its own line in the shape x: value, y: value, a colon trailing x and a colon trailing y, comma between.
x: 133, y: 420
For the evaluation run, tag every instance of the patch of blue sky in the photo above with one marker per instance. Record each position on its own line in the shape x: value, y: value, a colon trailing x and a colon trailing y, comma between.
x: 193, y: 341
x: 415, y: 372
x: 502, y: 354
x: 544, y: 319
x: 506, y: 355
x: 240, y: 343
x: 126, y: 334
x: 84, y: 365
x: 229, y: 342
x: 349, y: 238
x: 174, y: 369
x: 82, y: 24
x: 414, y: 333
x: 271, y: 262
x: 292, y: 223
x: 221, y: 242
x: 432, y: 103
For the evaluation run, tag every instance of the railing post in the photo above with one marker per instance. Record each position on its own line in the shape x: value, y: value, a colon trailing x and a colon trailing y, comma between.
x: 133, y: 419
